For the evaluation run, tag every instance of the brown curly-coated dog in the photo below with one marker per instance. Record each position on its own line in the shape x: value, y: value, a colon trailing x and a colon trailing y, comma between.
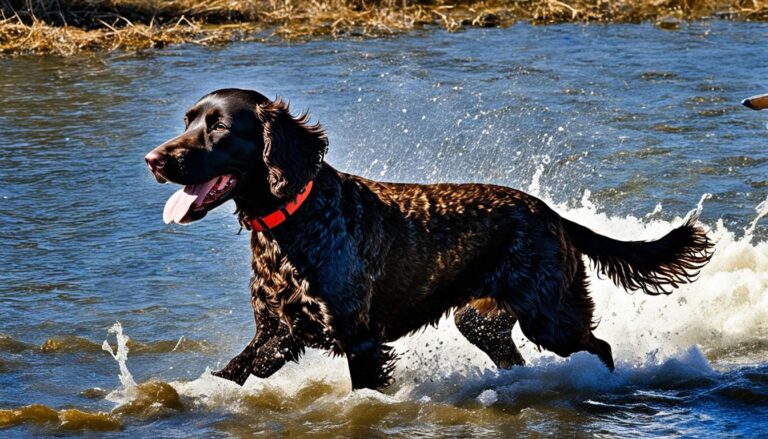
x: 348, y: 264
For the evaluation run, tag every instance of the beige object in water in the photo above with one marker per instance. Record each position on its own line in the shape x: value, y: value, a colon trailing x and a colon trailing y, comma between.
x: 758, y: 102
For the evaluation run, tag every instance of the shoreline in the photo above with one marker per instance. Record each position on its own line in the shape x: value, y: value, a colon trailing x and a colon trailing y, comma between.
x: 74, y: 27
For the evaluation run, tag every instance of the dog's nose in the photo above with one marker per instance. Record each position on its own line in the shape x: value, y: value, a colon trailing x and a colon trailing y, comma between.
x: 155, y: 160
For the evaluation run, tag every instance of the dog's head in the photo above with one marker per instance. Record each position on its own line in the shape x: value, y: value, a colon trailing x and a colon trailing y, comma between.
x: 237, y: 144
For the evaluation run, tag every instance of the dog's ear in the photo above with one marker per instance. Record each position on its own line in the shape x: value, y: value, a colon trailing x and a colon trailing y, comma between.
x: 293, y: 149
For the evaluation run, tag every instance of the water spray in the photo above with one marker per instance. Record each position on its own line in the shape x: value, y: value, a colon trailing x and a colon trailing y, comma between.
x: 128, y: 389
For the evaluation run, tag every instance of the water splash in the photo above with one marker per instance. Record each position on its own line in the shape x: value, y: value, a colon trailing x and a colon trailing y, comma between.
x: 695, y: 214
x: 762, y: 210
x: 127, y: 391
x: 146, y: 400
x: 659, y: 343
x: 648, y: 334
x: 656, y: 210
x: 535, y: 187
x: 488, y: 397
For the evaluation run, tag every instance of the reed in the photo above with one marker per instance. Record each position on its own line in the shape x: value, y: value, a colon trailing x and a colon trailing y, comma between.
x: 69, y: 27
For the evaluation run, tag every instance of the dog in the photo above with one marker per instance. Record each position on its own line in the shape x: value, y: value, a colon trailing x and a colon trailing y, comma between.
x: 347, y: 264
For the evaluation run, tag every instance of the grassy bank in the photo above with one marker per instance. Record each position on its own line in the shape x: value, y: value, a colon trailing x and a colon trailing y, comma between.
x: 68, y: 27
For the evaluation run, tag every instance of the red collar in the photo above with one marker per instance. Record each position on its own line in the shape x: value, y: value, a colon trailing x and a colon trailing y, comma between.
x: 274, y: 219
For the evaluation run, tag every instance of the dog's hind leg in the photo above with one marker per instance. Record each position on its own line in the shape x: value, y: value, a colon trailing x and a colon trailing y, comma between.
x: 576, y: 323
x: 565, y: 326
x: 490, y: 329
x: 580, y: 313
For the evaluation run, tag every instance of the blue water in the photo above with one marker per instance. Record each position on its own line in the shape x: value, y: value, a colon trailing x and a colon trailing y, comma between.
x: 636, y: 116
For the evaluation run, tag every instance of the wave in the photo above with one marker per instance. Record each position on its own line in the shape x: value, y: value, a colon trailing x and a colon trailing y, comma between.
x: 10, y: 344
x: 75, y: 344
x: 67, y: 419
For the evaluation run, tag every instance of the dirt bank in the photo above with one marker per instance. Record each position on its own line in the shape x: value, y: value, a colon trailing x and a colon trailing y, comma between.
x: 69, y: 27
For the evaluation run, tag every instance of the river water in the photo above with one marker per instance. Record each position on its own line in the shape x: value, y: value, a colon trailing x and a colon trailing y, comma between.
x: 624, y: 128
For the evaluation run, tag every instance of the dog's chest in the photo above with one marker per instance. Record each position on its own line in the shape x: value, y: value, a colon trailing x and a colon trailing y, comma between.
x: 279, y: 288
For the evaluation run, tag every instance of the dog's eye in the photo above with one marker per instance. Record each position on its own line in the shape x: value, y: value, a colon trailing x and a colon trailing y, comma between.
x: 219, y: 126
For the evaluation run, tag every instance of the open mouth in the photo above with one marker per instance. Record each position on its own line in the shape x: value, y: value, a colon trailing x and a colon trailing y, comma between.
x: 193, y: 201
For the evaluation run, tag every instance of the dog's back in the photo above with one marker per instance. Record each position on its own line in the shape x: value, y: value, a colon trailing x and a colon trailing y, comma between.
x: 450, y: 243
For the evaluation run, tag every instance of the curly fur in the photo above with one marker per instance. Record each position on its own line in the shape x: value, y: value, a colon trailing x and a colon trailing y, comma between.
x: 653, y: 267
x: 293, y: 149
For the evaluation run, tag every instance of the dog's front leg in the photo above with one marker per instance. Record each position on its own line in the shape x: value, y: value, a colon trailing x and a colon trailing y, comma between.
x: 370, y: 365
x: 239, y: 368
x: 265, y: 360
x: 275, y: 353
x: 370, y: 361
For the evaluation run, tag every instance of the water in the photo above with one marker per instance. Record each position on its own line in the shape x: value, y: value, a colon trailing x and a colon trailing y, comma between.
x: 622, y: 127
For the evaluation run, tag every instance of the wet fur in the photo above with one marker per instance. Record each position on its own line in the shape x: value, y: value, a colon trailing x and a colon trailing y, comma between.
x: 363, y: 263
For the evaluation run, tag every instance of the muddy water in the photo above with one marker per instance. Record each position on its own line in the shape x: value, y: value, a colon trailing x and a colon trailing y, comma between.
x: 623, y: 128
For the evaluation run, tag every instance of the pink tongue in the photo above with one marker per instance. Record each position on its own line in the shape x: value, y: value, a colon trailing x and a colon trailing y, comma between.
x: 180, y: 202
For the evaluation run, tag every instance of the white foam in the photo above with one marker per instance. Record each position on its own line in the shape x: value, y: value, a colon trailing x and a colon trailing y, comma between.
x: 488, y: 397
x: 535, y: 186
x: 655, y: 339
x: 726, y: 305
x: 762, y: 210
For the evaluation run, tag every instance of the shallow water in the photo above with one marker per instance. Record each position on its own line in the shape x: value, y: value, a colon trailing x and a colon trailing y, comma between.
x: 623, y: 128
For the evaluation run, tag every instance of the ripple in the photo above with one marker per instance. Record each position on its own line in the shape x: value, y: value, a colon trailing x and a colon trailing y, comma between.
x: 666, y: 128
x: 76, y: 344
x: 652, y: 76
x: 740, y: 161
x: 10, y: 344
x: 68, y: 419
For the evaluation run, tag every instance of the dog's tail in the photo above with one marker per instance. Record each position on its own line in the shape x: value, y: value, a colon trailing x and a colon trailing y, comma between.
x: 655, y: 267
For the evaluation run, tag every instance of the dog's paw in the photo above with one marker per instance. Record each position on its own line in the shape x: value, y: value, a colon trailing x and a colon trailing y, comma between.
x: 507, y: 364
x: 235, y: 374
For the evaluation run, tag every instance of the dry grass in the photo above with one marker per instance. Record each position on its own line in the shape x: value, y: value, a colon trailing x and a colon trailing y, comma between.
x: 68, y: 27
